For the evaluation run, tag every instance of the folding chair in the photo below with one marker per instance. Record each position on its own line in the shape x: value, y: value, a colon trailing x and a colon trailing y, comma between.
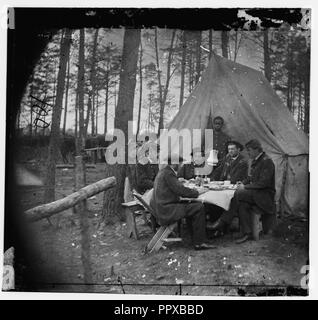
x: 132, y: 208
x: 161, y: 235
x: 147, y: 208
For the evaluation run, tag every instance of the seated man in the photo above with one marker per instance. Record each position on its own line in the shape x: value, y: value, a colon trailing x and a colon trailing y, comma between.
x: 233, y: 166
x: 168, y: 209
x: 146, y: 171
x: 189, y: 170
x: 257, y: 190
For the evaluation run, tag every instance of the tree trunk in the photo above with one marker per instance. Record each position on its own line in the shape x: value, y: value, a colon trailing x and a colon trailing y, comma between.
x: 165, y: 93
x: 56, y: 120
x: 198, y: 57
x: 190, y: 72
x: 158, y: 73
x: 96, y: 111
x: 123, y: 114
x: 93, y: 114
x: 307, y: 95
x: 106, y: 104
x: 140, y: 89
x: 236, y: 45
x: 76, y: 117
x: 210, y: 43
x: 79, y: 172
x: 149, y: 109
x: 88, y: 112
x: 267, y: 59
x: 66, y: 94
x: 225, y: 44
x: 183, y: 66
x: 289, y: 90
x: 81, y: 209
x: 299, y: 102
x: 115, y: 95
x: 80, y: 91
x: 31, y: 105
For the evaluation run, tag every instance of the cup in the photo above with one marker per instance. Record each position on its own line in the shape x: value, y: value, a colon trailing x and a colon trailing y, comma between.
x: 227, y: 182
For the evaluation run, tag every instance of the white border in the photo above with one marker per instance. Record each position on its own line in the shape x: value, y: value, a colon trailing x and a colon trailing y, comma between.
x: 313, y: 284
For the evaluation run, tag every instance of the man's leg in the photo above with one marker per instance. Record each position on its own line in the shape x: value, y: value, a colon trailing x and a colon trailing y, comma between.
x: 245, y: 201
x: 245, y: 218
x: 227, y: 216
x: 195, y: 212
x: 213, y: 212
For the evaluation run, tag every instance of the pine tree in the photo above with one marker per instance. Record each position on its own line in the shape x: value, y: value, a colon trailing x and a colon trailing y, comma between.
x: 124, y: 113
x: 56, y: 119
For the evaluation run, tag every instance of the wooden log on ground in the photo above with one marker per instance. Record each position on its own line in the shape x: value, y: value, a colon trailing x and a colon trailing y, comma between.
x: 47, y: 210
x: 71, y: 166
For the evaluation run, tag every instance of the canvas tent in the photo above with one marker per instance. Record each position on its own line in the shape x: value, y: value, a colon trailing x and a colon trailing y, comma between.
x: 252, y: 109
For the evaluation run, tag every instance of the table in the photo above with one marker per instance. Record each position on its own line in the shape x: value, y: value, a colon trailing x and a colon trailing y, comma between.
x: 221, y: 198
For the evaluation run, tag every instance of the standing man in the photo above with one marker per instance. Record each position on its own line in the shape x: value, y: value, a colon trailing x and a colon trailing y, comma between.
x: 257, y: 190
x: 220, y: 139
x: 168, y: 209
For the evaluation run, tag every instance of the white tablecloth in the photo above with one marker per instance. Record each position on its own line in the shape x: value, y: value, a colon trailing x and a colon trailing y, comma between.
x: 221, y: 198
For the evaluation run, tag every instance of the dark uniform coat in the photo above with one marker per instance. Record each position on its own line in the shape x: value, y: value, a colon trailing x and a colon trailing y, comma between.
x: 165, y: 200
x: 262, y: 183
x: 233, y: 170
x: 145, y: 176
x: 188, y: 170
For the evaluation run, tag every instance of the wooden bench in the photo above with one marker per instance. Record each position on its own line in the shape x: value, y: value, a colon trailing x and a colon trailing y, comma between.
x: 261, y: 222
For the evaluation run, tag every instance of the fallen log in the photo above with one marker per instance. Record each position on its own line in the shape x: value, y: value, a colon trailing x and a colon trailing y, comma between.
x: 49, y: 209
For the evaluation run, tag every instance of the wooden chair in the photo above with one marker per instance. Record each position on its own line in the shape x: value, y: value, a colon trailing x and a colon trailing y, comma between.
x: 132, y: 209
x: 161, y: 235
x: 147, y: 209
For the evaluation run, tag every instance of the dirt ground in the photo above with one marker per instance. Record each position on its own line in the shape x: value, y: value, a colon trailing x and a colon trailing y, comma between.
x: 270, y: 266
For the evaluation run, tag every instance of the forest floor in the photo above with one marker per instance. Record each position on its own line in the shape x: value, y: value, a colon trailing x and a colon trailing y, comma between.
x: 270, y: 266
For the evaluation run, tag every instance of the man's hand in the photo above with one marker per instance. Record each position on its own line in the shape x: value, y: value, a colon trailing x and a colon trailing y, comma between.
x: 182, y: 179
